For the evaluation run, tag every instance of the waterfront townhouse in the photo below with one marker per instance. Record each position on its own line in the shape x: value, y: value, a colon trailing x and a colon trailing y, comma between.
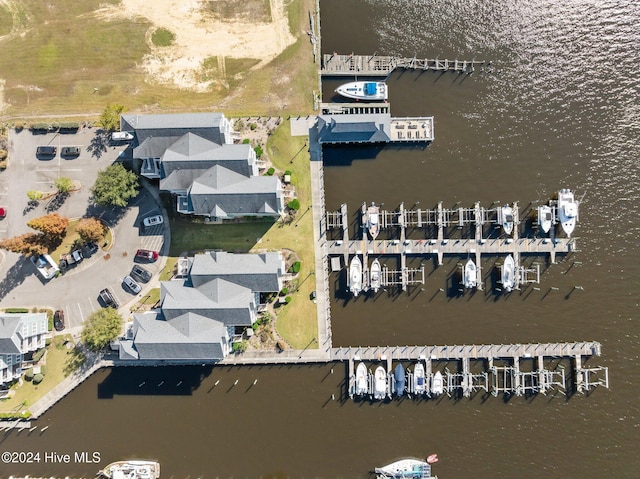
x: 19, y: 334
x: 200, y: 315
x: 193, y: 156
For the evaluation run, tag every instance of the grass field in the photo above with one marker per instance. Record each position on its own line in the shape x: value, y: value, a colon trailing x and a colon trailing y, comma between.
x: 67, y: 61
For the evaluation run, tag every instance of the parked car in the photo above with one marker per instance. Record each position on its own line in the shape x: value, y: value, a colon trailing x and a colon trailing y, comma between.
x: 45, y: 266
x: 130, y: 283
x: 71, y: 259
x: 141, y: 274
x: 58, y: 320
x: 3, y: 212
x: 46, y: 151
x: 146, y: 255
x: 70, y: 151
x: 153, y: 220
x: 108, y: 299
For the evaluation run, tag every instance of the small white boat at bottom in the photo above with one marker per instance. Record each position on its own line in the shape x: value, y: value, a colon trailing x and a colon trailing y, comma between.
x: 405, y: 469
x: 470, y: 274
x: 133, y: 469
x: 375, y: 278
x: 508, y: 274
x: 380, y: 383
x: 437, y: 384
x: 362, y: 380
x: 419, y: 380
x: 545, y: 218
x: 507, y: 219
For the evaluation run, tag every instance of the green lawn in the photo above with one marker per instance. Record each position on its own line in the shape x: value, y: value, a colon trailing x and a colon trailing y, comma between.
x: 60, y: 361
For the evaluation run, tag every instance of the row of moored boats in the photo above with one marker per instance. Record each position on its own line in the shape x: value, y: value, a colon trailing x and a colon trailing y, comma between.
x: 471, y: 274
x: 379, y: 384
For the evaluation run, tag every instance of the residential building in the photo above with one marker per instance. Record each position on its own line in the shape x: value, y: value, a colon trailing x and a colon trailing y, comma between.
x: 193, y: 156
x: 19, y: 334
x: 198, y: 316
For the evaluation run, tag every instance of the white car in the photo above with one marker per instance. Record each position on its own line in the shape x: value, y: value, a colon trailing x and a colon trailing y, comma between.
x: 121, y: 136
x: 131, y: 284
x: 152, y: 220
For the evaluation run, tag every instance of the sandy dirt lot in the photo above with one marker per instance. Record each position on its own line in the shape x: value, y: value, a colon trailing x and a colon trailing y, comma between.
x: 200, y: 35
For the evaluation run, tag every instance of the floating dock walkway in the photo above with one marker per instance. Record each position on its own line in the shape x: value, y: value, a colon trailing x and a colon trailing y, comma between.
x: 441, y: 218
x: 380, y: 65
x: 505, y: 379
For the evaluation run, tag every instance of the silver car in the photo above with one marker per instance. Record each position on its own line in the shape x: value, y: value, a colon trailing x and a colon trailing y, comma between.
x: 130, y: 283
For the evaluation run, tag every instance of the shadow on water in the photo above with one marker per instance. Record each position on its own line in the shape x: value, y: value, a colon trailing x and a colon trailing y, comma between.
x: 156, y: 381
x: 346, y: 155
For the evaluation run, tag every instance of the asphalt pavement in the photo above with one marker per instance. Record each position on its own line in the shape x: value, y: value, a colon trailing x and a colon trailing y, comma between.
x: 75, y: 292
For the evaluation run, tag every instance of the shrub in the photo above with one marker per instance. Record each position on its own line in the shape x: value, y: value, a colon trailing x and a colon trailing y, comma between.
x: 47, y: 341
x: 288, y: 173
x: 253, y: 126
x: 37, y: 379
x: 258, y: 150
x: 28, y: 376
x: 239, y: 347
x: 246, y: 141
x: 43, y: 370
x: 284, y: 291
x: 281, y: 345
x: 40, y: 126
x: 271, y: 171
x: 287, y: 300
x: 163, y: 37
x: 50, y: 324
x: 16, y: 310
x: 38, y: 354
x: 34, y: 195
x: 294, y: 204
x: 295, y: 267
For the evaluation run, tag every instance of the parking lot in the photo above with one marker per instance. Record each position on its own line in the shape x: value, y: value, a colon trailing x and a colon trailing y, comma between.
x: 76, y: 292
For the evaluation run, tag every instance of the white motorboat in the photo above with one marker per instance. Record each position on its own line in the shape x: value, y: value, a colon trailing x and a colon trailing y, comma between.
x: 419, y: 380
x: 364, y: 90
x: 133, y: 469
x: 437, y: 384
x: 375, y: 275
x: 545, y: 218
x: 380, y: 383
x: 507, y: 219
x: 373, y: 221
x: 508, y: 274
x: 355, y: 276
x: 567, y: 210
x: 362, y: 380
x: 405, y: 469
x: 470, y: 274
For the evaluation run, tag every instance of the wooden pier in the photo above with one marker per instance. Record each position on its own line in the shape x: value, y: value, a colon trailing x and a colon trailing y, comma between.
x: 380, y: 65
x: 442, y: 218
x: 505, y: 379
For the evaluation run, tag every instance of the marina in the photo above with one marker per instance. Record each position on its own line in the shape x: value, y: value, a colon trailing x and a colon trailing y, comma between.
x: 334, y: 64
x: 438, y: 220
x: 501, y: 374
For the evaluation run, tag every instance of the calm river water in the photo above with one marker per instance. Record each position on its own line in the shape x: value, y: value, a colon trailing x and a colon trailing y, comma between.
x: 558, y: 108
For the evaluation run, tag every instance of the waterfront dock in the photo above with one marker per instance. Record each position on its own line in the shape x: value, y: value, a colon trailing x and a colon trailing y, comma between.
x: 503, y: 378
x: 334, y: 64
x: 439, y: 245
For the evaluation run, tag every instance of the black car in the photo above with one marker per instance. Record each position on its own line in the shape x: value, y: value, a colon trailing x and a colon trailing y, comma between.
x: 58, y: 320
x: 140, y: 273
x: 70, y: 151
x: 108, y: 299
x: 46, y: 151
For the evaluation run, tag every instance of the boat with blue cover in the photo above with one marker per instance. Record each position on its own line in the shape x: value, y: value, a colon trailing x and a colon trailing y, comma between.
x: 364, y: 90
x: 399, y: 380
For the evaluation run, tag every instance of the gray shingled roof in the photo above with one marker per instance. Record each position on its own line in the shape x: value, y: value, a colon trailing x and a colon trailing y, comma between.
x: 206, y: 125
x: 189, y: 336
x: 180, y: 179
x: 153, y: 147
x: 258, y: 272
x: 368, y: 128
x: 11, y: 329
x: 220, y: 189
x: 218, y: 299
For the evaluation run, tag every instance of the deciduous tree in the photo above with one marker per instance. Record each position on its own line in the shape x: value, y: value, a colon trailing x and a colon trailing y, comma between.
x: 27, y: 244
x: 90, y: 229
x: 100, y: 328
x: 63, y: 184
x: 115, y: 186
x: 110, y: 117
x: 52, y: 225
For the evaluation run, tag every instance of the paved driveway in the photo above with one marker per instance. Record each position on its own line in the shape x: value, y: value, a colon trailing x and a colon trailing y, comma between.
x: 75, y: 292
